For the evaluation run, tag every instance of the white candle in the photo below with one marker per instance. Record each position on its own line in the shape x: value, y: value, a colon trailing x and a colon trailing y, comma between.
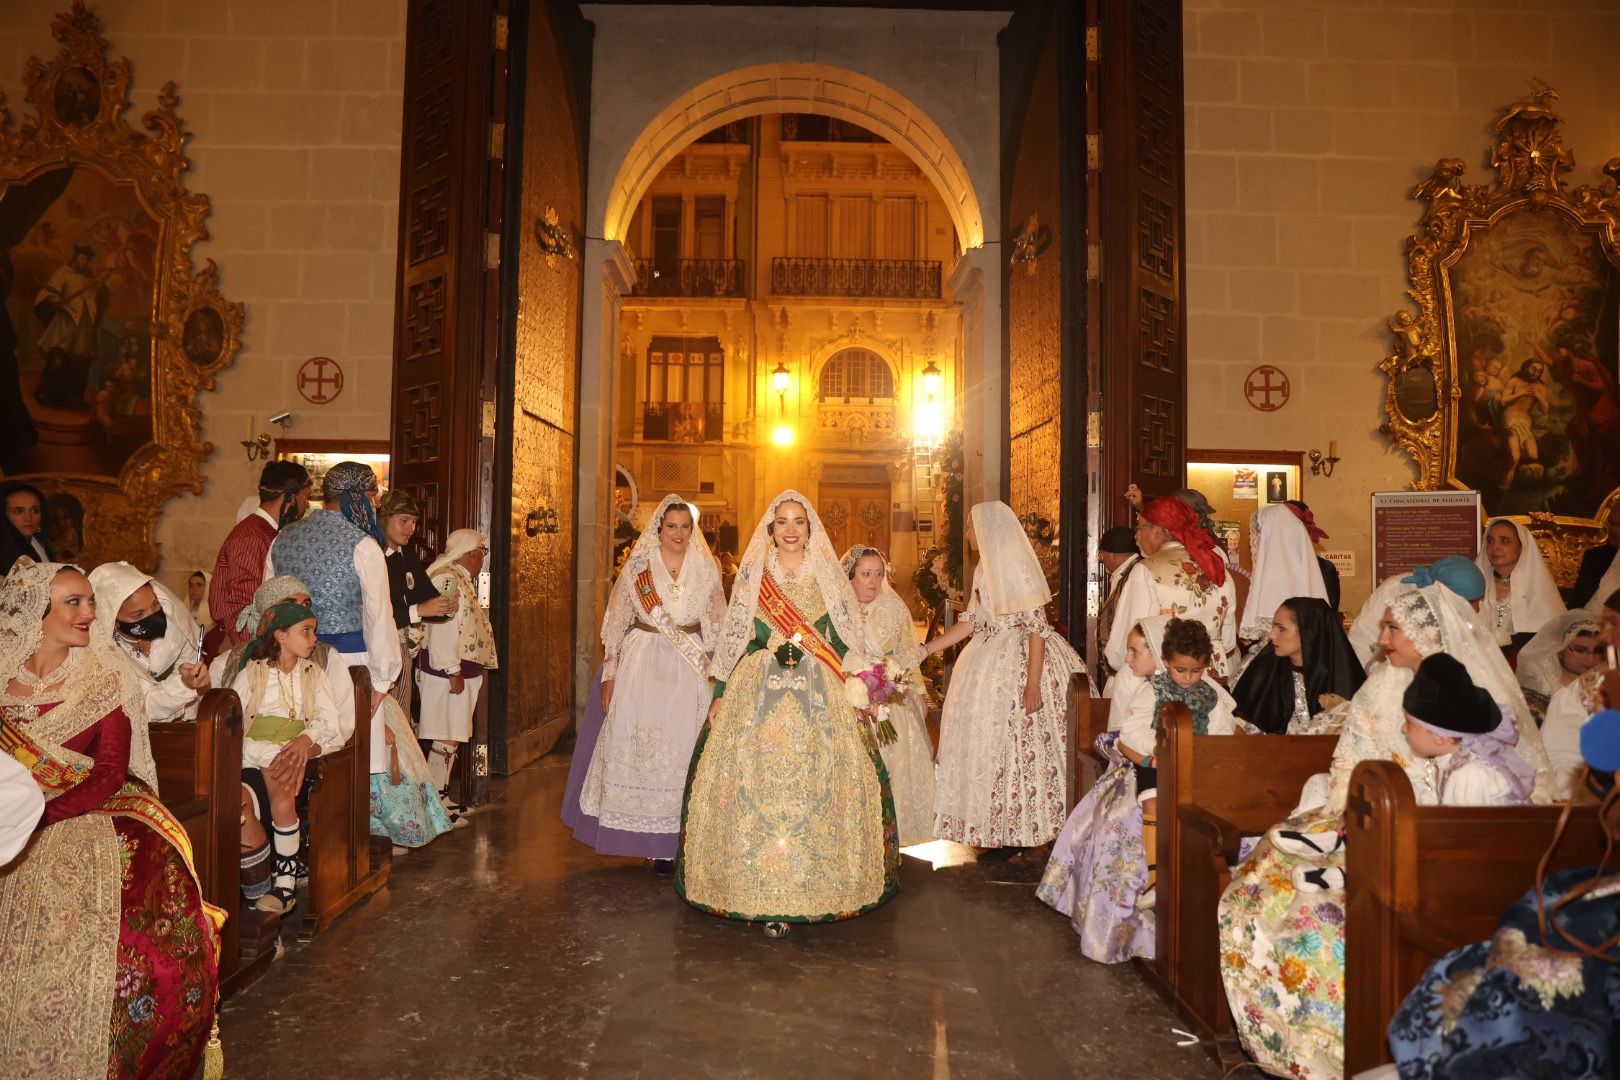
x: 250, y: 429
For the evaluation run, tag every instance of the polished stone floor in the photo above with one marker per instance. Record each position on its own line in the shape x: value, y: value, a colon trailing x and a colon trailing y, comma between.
x: 509, y: 950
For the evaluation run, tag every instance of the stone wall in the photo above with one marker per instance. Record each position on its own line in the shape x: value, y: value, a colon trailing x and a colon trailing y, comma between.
x: 294, y: 108
x: 1307, y: 124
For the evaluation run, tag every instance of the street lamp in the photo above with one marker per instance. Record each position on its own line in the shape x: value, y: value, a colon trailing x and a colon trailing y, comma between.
x: 780, y: 378
x: 932, y: 379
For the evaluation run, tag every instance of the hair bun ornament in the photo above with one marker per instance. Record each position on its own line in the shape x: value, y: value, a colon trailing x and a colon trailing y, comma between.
x: 1600, y: 741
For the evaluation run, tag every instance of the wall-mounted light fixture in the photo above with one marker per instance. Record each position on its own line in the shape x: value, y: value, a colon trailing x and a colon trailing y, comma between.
x: 1322, y: 465
x: 781, y: 379
x: 258, y: 443
x: 933, y: 379
x: 553, y: 238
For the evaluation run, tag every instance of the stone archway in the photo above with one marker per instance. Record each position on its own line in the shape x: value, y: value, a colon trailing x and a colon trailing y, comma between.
x: 789, y: 86
x: 796, y: 87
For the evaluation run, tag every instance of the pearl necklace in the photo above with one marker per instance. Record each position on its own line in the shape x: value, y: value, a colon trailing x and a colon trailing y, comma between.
x: 39, y: 684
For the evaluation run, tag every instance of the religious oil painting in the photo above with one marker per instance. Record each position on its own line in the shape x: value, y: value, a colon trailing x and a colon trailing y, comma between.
x: 1536, y: 308
x: 108, y: 331
x: 78, y: 316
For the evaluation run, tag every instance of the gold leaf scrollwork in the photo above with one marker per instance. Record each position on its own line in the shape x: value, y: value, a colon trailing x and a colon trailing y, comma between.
x: 1530, y: 160
x: 78, y: 128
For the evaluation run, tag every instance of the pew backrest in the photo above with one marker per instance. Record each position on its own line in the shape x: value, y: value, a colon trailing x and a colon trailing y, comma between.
x: 1422, y: 880
x: 1213, y: 790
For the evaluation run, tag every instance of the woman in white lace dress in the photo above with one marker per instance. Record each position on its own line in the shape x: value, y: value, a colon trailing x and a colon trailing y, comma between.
x: 657, y: 635
x: 1003, y: 747
x: 892, y: 635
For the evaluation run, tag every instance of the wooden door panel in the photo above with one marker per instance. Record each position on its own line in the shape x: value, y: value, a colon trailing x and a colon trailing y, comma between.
x: 855, y: 515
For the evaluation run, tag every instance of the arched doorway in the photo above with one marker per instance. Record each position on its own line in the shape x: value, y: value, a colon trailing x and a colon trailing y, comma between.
x: 969, y: 277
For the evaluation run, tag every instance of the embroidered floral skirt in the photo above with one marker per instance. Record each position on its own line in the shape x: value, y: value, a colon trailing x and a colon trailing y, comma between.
x: 165, y: 988
x: 788, y: 815
x: 409, y: 813
x: 1282, y: 955
x: 1097, y: 869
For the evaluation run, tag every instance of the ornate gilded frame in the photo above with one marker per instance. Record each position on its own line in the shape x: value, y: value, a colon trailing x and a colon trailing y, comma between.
x: 1529, y: 157
x: 195, y: 332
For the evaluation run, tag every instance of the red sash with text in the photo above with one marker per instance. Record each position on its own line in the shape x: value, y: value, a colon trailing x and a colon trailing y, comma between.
x: 788, y: 621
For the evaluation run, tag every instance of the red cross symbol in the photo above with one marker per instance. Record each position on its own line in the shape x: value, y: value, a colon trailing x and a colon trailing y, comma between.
x: 316, y: 375
x: 1258, y: 388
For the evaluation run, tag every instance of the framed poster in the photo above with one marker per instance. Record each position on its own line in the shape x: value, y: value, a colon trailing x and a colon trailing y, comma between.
x: 1414, y: 527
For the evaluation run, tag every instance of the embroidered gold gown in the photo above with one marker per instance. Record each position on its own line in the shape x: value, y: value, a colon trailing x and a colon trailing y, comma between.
x: 787, y: 815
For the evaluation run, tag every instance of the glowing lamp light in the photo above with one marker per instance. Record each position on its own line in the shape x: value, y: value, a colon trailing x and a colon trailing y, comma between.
x: 930, y: 421
x: 780, y: 378
x: 932, y: 379
x: 782, y: 435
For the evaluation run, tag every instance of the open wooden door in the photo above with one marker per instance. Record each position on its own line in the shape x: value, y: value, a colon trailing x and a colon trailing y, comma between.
x: 538, y: 411
x: 486, y: 345
x: 1043, y: 175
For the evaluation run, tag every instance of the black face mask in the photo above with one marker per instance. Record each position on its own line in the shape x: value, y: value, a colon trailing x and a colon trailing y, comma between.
x: 151, y: 628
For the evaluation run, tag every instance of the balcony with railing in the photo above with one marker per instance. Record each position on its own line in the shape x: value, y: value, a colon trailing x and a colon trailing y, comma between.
x: 682, y: 421
x: 690, y: 277
x: 881, y: 278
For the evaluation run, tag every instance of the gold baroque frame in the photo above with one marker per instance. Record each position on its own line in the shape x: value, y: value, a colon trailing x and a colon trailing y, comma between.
x: 1529, y: 157
x: 195, y: 333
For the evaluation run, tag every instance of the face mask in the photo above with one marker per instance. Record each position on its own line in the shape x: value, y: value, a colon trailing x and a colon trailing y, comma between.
x: 151, y: 628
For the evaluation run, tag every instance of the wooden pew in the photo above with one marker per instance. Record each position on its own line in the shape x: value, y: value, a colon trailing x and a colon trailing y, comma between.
x: 1423, y: 880
x: 1090, y: 720
x: 199, y: 768
x: 1213, y: 790
x: 341, y: 871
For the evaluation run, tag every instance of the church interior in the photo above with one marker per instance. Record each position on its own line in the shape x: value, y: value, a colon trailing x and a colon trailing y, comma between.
x: 537, y: 264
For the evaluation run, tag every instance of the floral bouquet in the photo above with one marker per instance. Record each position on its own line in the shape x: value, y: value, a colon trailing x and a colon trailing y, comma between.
x: 870, y: 691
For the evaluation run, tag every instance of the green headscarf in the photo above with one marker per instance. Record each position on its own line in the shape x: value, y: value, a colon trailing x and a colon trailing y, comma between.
x: 280, y: 616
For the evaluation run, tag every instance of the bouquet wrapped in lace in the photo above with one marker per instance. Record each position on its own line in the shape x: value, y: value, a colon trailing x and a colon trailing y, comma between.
x: 872, y: 690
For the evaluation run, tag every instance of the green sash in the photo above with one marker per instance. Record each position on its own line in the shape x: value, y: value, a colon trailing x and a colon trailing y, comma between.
x: 276, y: 729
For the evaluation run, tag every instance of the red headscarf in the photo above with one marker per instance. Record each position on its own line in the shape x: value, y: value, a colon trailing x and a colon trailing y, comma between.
x: 1304, y: 514
x: 1178, y: 519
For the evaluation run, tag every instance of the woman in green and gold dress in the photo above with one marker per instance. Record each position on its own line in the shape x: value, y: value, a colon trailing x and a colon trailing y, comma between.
x: 788, y: 816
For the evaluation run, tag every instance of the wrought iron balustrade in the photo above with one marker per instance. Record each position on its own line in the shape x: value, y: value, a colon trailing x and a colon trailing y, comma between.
x: 690, y: 277
x: 886, y: 278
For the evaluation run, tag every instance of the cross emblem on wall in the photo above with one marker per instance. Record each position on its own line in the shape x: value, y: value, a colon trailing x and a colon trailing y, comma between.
x: 1266, y: 388
x: 320, y: 379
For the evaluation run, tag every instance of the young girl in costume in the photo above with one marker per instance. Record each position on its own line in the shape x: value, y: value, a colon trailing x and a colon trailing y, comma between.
x: 291, y: 716
x: 1102, y: 868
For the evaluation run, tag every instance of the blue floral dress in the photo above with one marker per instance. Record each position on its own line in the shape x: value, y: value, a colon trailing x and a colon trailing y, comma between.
x: 1513, y: 1007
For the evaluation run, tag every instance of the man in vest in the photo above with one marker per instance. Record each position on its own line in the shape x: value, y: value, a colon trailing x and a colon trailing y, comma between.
x: 245, y: 555
x: 1116, y: 550
x: 338, y: 553
x: 1181, y: 574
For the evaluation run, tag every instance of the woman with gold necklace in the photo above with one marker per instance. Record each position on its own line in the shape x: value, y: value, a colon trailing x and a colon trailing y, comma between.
x: 788, y: 814
x: 111, y: 956
x: 660, y: 627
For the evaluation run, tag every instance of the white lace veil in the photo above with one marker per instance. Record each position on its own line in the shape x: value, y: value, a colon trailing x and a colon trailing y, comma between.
x: 820, y: 559
x: 1363, y: 632
x: 1443, y: 621
x: 1608, y: 584
x: 1539, y: 667
x: 1012, y: 574
x: 623, y: 608
x: 1285, y: 566
x: 25, y: 597
x: 889, y: 608
x: 1532, y: 592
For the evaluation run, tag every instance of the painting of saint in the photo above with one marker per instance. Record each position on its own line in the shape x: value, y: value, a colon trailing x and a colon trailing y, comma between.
x: 77, y: 276
x: 1536, y: 317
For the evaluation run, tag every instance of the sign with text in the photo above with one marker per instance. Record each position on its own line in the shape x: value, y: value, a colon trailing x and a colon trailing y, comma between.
x: 1343, y: 561
x: 1413, y: 527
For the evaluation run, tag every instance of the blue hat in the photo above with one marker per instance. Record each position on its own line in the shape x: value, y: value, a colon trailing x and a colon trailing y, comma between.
x: 1600, y: 741
x: 1455, y: 572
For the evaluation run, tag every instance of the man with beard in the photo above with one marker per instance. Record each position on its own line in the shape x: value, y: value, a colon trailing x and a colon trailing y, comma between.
x: 241, y: 565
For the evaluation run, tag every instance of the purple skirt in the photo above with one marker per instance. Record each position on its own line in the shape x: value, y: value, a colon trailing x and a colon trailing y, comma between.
x: 586, y: 828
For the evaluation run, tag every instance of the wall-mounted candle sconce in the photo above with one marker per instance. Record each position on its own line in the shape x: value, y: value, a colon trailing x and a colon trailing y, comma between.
x: 1322, y: 465
x: 553, y: 238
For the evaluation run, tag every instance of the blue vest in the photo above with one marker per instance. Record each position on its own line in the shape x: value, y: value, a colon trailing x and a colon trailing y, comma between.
x: 319, y: 551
